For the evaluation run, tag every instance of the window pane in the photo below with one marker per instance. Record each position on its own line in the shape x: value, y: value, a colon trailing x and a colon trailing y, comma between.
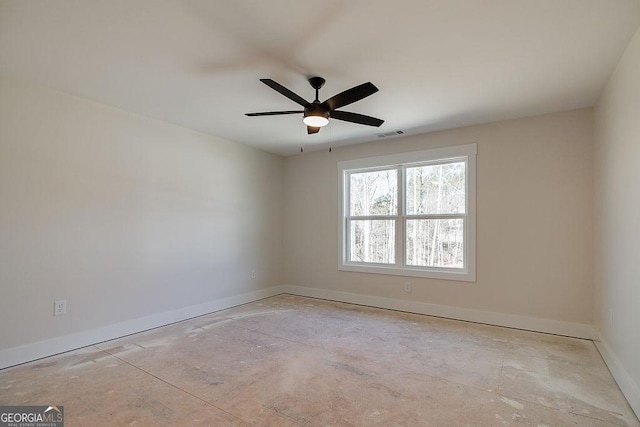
x: 373, y: 193
x: 436, y: 189
x: 435, y: 243
x: 372, y: 241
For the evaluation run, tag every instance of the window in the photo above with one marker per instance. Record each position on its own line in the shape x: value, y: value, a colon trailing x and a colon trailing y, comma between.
x: 410, y: 214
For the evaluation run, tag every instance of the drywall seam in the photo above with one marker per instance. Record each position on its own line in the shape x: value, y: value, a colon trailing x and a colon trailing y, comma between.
x: 558, y: 327
x: 629, y: 388
x: 29, y: 352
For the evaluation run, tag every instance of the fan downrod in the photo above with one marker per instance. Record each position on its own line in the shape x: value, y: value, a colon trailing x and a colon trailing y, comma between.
x: 316, y: 83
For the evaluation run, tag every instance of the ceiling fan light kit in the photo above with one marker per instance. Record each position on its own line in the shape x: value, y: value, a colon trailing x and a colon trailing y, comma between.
x: 316, y: 117
x: 317, y: 114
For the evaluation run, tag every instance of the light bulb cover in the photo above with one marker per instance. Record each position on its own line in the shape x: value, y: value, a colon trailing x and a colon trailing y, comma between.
x: 315, y: 121
x: 315, y: 115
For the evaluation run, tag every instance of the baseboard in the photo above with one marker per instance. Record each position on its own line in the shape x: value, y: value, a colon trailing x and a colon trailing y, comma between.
x: 628, y: 386
x: 29, y: 352
x: 557, y: 327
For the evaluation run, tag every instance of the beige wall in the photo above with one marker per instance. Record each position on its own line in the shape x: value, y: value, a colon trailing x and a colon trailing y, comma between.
x: 617, y: 228
x: 534, y: 220
x: 123, y: 216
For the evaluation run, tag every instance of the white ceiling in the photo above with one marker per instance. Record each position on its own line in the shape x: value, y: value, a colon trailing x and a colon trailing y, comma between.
x: 438, y: 63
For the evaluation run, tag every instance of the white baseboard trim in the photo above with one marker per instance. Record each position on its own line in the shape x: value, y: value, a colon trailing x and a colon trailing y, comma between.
x: 557, y: 327
x: 629, y: 388
x: 29, y: 352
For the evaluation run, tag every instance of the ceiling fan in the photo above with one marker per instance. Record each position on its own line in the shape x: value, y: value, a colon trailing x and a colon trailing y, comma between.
x: 316, y: 114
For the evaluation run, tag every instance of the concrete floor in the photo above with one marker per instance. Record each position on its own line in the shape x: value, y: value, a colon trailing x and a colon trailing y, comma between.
x: 292, y: 361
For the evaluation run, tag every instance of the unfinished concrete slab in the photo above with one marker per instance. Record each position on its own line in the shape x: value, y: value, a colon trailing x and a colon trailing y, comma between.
x: 293, y: 361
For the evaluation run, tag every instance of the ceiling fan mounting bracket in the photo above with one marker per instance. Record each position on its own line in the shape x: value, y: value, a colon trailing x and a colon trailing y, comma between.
x: 316, y: 82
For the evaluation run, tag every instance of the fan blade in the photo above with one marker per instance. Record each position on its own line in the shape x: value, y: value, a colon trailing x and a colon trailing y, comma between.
x: 284, y: 91
x: 273, y: 113
x: 356, y: 118
x: 350, y: 96
x: 311, y: 129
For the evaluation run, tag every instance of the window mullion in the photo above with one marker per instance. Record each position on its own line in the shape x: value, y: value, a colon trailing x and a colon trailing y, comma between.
x: 371, y: 217
x: 437, y: 216
x: 400, y: 226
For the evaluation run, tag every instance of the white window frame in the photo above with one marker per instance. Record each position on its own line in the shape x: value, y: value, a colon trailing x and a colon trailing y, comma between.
x: 466, y: 153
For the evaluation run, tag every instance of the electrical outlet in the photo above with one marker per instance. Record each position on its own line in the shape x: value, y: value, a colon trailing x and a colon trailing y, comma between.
x: 59, y: 307
x: 253, y: 274
x: 407, y: 286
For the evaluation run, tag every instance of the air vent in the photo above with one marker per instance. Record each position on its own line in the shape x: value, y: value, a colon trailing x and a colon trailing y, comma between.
x: 394, y: 133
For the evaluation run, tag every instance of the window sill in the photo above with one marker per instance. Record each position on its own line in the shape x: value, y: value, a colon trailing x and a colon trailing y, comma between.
x: 444, y: 274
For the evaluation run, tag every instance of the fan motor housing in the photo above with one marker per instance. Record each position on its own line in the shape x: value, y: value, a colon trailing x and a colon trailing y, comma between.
x: 316, y: 109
